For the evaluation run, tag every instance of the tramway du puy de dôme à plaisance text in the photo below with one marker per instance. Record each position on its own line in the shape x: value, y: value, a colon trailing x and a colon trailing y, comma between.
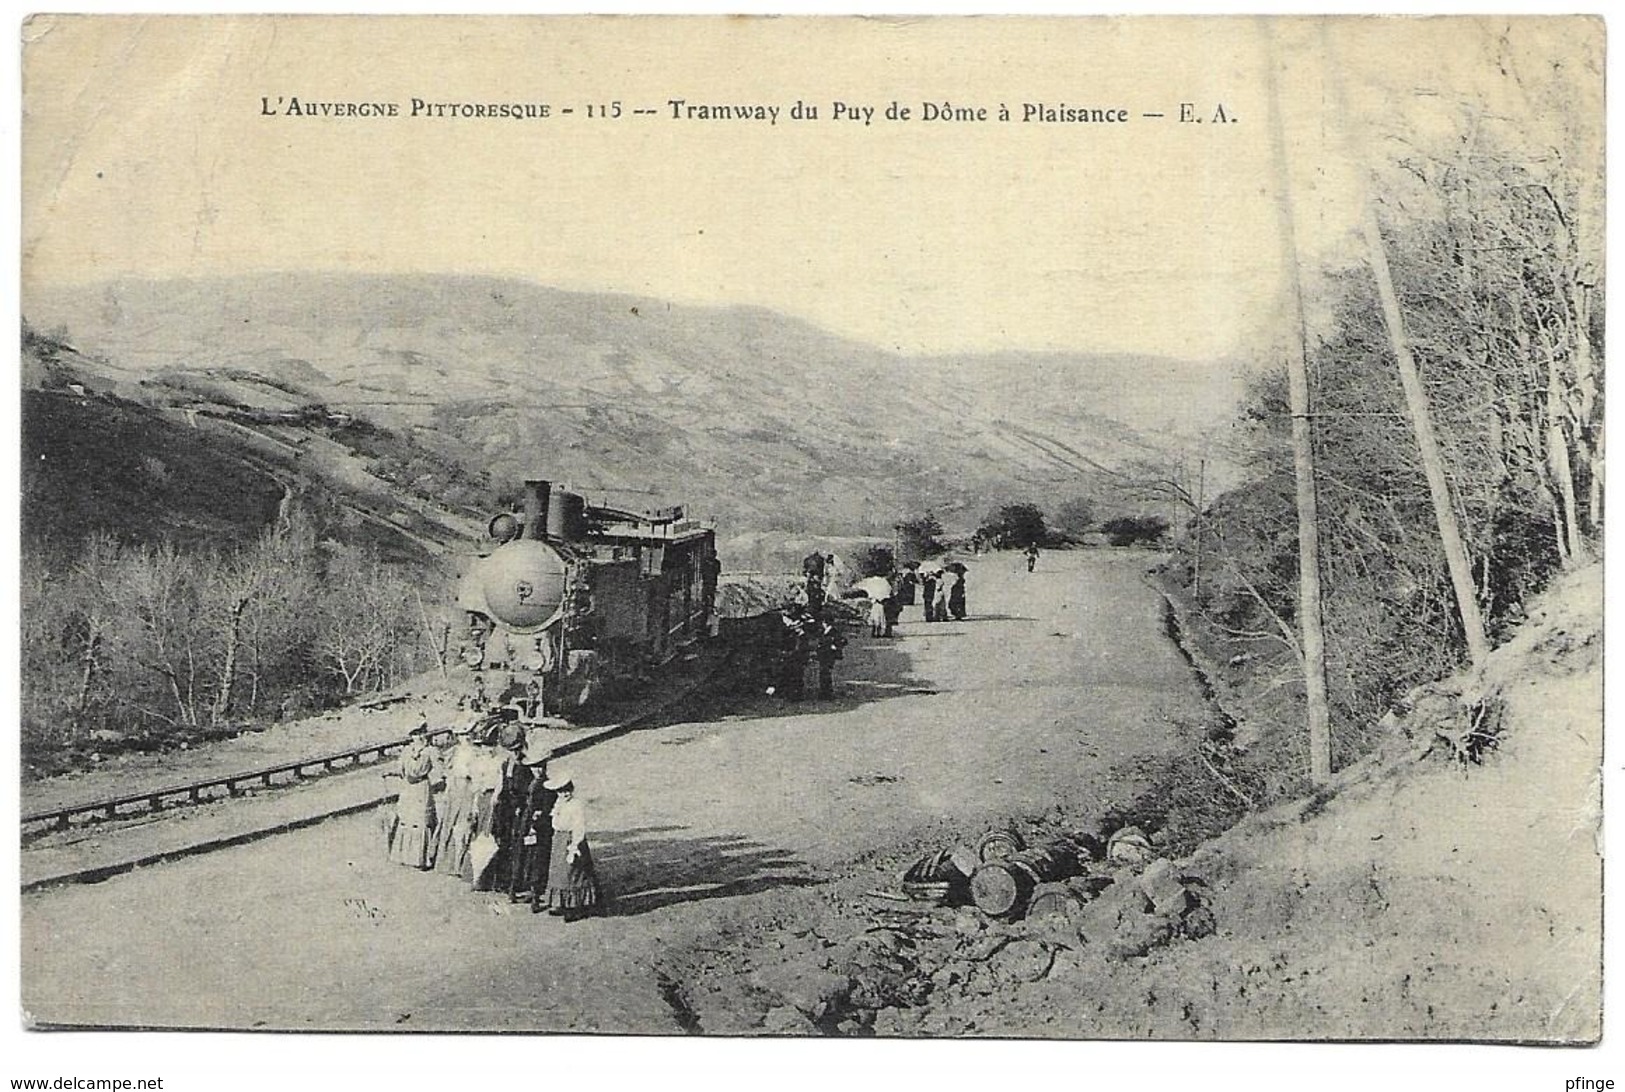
x: 677, y: 109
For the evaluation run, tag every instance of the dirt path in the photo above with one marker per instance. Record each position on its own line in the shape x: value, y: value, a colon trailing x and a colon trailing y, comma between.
x: 1052, y: 692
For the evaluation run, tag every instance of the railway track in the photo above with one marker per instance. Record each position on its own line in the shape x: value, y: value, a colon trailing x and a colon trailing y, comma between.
x: 37, y: 823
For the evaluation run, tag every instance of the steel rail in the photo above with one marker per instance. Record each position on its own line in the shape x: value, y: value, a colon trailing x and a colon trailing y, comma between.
x: 194, y: 792
x: 150, y: 801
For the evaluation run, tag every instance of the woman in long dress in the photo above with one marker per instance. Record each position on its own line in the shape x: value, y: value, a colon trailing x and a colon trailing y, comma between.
x: 906, y: 585
x: 413, y: 844
x: 487, y: 772
x: 939, y: 607
x: 877, y: 617
x: 454, y: 827
x: 572, y: 882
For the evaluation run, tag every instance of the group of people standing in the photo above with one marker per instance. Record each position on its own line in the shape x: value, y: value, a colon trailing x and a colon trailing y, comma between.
x: 808, y: 632
x: 486, y: 811
x: 942, y: 591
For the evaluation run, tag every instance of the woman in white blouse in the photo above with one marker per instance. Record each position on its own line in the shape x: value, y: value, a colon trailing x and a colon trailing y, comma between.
x: 572, y: 883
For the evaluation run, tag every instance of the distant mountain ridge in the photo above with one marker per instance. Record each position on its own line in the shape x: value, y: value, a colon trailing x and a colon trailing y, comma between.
x: 760, y: 420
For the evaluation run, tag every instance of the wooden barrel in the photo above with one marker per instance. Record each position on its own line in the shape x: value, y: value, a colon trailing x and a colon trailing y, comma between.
x: 1001, y: 888
x: 999, y: 845
x: 1052, y: 898
x: 1004, y: 888
x: 935, y: 893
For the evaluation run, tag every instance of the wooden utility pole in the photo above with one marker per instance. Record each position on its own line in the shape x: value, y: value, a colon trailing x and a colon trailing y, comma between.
x: 1416, y: 402
x: 1196, y: 520
x: 1303, y: 453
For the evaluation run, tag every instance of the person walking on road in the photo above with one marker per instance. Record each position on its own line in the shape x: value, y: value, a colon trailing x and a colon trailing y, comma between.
x: 907, y: 584
x: 877, y: 618
x: 1032, y: 557
x: 956, y: 594
x: 928, y: 592
x: 795, y: 634
x: 892, y: 609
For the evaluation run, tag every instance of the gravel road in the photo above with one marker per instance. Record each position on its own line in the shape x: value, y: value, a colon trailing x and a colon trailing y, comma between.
x: 1054, y: 691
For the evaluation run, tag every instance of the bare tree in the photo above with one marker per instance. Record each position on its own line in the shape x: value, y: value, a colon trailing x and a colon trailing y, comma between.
x: 88, y: 588
x: 158, y: 598
x: 367, y: 629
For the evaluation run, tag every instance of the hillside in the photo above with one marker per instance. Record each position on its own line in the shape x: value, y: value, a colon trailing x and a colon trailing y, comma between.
x: 759, y: 420
x: 209, y: 459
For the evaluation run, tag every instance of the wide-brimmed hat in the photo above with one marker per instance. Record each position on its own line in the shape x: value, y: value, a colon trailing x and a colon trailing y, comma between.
x: 483, y: 727
x: 559, y: 782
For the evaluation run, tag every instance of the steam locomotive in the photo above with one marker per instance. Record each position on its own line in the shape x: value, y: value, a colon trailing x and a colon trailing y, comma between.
x: 572, y: 603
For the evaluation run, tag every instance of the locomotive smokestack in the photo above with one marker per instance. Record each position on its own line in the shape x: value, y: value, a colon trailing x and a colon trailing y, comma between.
x: 538, y: 495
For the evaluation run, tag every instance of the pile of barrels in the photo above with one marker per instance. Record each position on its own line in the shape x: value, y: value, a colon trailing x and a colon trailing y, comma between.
x: 1004, y: 878
x: 1014, y: 881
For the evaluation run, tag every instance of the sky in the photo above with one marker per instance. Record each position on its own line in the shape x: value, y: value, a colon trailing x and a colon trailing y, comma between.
x: 147, y: 152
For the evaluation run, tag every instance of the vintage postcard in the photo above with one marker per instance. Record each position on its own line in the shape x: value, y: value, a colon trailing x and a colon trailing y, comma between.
x: 1081, y: 528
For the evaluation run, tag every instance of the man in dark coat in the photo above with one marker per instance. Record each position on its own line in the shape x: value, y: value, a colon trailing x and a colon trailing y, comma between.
x: 893, y: 610
x: 830, y: 643
x: 814, y: 570
x: 535, y: 837
x: 812, y: 567
x: 906, y: 585
x: 795, y: 635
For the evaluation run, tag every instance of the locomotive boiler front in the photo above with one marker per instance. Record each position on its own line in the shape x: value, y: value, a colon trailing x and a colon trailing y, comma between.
x: 516, y: 598
x: 522, y: 585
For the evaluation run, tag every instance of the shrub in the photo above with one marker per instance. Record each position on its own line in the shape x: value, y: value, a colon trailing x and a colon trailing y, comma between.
x: 1135, y: 530
x: 875, y: 560
x: 1015, y: 526
x: 1074, y: 518
x: 921, y: 537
